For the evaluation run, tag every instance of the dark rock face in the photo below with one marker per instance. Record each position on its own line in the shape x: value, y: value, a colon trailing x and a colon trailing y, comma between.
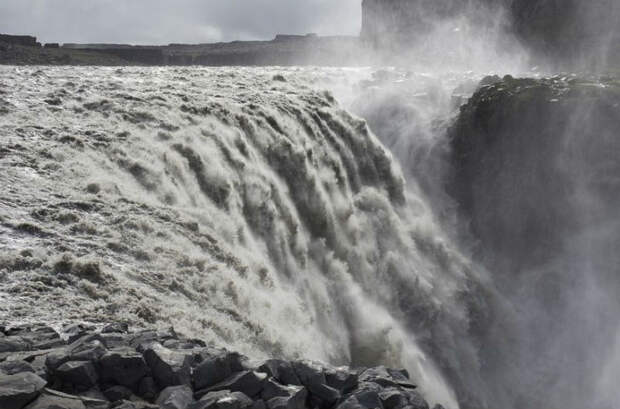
x: 512, y: 168
x: 535, y: 173
x: 16, y: 391
x: 112, y: 368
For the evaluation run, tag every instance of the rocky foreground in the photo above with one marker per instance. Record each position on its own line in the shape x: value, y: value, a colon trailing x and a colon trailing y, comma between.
x: 107, y: 367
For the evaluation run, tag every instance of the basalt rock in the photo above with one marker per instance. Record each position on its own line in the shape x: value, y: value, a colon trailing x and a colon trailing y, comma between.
x: 18, y: 390
x: 140, y: 373
x: 175, y: 397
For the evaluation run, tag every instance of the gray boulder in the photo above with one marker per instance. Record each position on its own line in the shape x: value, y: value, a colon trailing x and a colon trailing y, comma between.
x: 279, y: 396
x: 248, y: 382
x: 117, y: 393
x: 216, y: 366
x: 281, y: 370
x: 13, y: 344
x: 169, y: 367
x: 13, y: 367
x: 118, y: 327
x: 148, y: 388
x: 312, y: 377
x: 342, y: 379
x: 393, y: 398
x: 81, y: 374
x: 223, y: 400
x: 386, y: 377
x: 18, y: 390
x: 124, y: 366
x: 362, y: 399
x: 175, y: 397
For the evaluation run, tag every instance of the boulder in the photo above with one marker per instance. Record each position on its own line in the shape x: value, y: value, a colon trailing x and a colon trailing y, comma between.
x: 386, y: 377
x: 81, y: 374
x: 56, y: 402
x: 76, y: 331
x: 169, y: 367
x: 148, y: 388
x: 416, y: 401
x: 216, y: 366
x: 281, y: 370
x: 223, y: 400
x: 52, y: 399
x: 392, y: 398
x: 175, y: 397
x: 18, y: 390
x: 13, y: 344
x: 143, y: 339
x: 84, y: 349
x: 248, y: 382
x: 124, y: 366
x: 117, y: 393
x: 342, y: 379
x: 135, y: 405
x: 279, y: 396
x: 13, y: 367
x: 311, y: 375
x: 119, y: 327
x: 362, y: 399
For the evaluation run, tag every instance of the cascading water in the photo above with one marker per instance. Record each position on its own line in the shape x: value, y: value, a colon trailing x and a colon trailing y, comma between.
x: 249, y: 207
x: 237, y: 204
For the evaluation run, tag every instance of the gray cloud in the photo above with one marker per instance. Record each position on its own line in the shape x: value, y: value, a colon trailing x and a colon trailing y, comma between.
x: 163, y: 21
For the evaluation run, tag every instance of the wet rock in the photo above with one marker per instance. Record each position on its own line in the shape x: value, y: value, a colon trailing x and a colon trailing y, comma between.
x: 20, y: 389
x: 124, y: 366
x: 279, y: 396
x: 84, y: 349
x: 175, y: 397
x: 342, y: 379
x: 15, y: 367
x: 169, y: 367
x: 416, y: 401
x: 117, y: 393
x: 216, y: 367
x: 13, y: 344
x: 119, y: 327
x: 51, y: 399
x: 81, y: 374
x: 363, y: 399
x: 148, y: 388
x: 393, y: 398
x: 312, y: 377
x: 248, y: 382
x: 386, y: 377
x: 223, y: 400
x: 114, y: 340
x: 134, y: 405
x: 281, y: 370
x: 76, y: 331
x: 144, y: 339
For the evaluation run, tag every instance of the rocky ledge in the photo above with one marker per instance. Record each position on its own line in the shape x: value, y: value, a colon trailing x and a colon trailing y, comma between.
x: 105, y: 367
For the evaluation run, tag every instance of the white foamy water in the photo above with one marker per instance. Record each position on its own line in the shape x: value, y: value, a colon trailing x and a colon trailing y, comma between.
x: 245, y: 206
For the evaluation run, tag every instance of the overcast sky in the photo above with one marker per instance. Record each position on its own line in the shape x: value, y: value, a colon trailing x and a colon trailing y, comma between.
x: 165, y: 21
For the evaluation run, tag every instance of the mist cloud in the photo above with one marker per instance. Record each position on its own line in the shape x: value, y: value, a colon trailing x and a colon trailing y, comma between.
x: 165, y: 21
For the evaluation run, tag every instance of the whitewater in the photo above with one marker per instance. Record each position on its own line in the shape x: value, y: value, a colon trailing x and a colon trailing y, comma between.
x: 245, y: 206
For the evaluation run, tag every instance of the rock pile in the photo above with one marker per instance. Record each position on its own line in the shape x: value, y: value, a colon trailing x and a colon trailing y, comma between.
x: 84, y: 367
